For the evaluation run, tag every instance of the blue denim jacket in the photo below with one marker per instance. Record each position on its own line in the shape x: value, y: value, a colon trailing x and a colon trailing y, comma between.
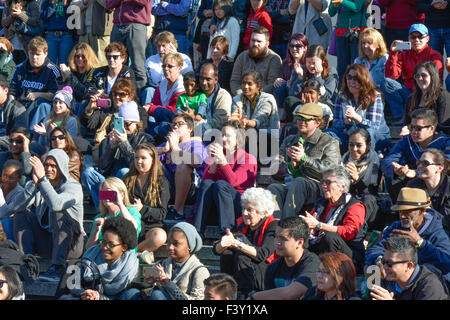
x: 376, y: 69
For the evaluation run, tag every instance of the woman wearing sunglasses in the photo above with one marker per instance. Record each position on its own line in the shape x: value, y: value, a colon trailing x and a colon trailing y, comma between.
x: 433, y: 177
x: 359, y: 104
x: 11, y: 287
x: 428, y: 93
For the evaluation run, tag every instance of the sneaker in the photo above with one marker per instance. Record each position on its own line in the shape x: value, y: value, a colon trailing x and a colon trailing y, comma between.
x: 147, y: 257
x: 174, y: 215
x: 53, y: 274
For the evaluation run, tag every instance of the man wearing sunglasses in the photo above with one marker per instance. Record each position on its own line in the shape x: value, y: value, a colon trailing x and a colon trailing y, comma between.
x: 420, y: 225
x: 401, y: 64
x: 400, y: 165
x: 303, y: 156
x: 19, y: 149
x: 405, y: 278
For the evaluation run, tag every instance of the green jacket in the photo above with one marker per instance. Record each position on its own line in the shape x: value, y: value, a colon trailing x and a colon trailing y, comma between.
x: 353, y: 15
x: 321, y: 150
x: 7, y: 65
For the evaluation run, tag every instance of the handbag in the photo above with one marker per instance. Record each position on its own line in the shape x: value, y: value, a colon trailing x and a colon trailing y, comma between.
x: 320, y: 26
x: 332, y: 47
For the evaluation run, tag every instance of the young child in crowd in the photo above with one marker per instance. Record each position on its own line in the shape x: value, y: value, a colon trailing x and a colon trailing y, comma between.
x: 192, y: 99
x: 258, y: 17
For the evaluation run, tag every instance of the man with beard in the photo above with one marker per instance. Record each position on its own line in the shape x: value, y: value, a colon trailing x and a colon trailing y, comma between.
x: 258, y: 57
x: 19, y: 149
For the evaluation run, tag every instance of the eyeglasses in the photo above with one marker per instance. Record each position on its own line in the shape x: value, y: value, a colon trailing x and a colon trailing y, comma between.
x: 296, y: 46
x: 80, y: 56
x: 354, y: 78
x: 16, y: 141
x: 178, y: 124
x: 300, y: 118
x: 418, y: 128
x: 2, y: 282
x: 327, y: 182
x: 108, y: 245
x: 422, y: 36
x: 421, y: 75
x: 170, y: 66
x: 113, y: 56
x: 60, y: 137
x: 425, y: 163
x: 127, y: 123
x: 121, y: 94
x: 390, y: 263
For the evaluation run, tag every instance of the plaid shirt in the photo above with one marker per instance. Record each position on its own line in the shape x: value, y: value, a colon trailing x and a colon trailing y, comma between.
x: 372, y: 116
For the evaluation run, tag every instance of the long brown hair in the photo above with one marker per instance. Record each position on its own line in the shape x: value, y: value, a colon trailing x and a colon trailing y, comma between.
x: 152, y: 193
x: 440, y: 158
x: 342, y: 270
x: 368, y: 92
x: 316, y: 50
x: 70, y: 144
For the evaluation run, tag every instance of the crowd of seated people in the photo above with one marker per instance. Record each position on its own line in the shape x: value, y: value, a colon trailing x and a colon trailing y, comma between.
x: 172, y: 119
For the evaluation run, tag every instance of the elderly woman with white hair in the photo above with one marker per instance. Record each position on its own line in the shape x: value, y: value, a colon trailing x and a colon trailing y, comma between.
x: 337, y: 220
x: 246, y: 252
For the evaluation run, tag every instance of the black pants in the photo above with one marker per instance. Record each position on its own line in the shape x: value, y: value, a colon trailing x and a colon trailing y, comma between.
x: 64, y: 242
x: 218, y: 203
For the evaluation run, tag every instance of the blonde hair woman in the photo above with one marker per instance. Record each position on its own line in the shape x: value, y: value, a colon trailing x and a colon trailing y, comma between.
x: 373, y: 54
x: 114, y: 201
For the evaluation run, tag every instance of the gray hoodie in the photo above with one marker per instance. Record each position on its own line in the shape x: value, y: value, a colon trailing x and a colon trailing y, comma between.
x: 66, y: 197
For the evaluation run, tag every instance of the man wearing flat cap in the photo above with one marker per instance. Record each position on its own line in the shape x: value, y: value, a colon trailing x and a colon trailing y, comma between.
x: 421, y: 225
x: 303, y: 156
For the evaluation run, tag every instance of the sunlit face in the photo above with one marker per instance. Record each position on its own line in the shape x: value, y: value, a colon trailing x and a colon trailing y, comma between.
x: 297, y: 49
x: 180, y: 127
x: 171, y: 70
x: 427, y: 166
x: 249, y: 87
x: 325, y: 281
x: 250, y: 214
x: 314, y: 65
x: 330, y: 187
x: 112, y: 247
x: 418, y: 40
x: 163, y: 48
x: 423, y: 79
x: 216, y: 51
x: 58, y: 140
x: 310, y: 95
x: 285, y: 244
x: 369, y: 48
x: 208, y: 80
x: 119, y: 96
x: 307, y: 127
x: 396, y: 271
x: 357, y: 146
x: 412, y: 216
x: 229, y: 138
x: 219, y: 12
x: 256, y: 4
x: 190, y: 86
x: 59, y: 107
x: 258, y: 45
x: 80, y: 59
x: 130, y: 127
x: 115, y: 60
x: 353, y: 83
x: 420, y: 130
x: 212, y: 294
x: 178, y: 246
x: 37, y: 59
x: 143, y: 161
x: 51, y: 169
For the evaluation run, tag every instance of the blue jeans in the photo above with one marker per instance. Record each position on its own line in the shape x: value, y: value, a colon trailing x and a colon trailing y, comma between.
x: 158, y: 294
x: 280, y: 94
x: 396, y: 95
x: 183, y: 43
x: 130, y: 294
x: 440, y: 39
x: 447, y: 82
x: 59, y: 48
x: 346, y: 53
x: 8, y: 227
x: 146, y: 94
x: 37, y: 115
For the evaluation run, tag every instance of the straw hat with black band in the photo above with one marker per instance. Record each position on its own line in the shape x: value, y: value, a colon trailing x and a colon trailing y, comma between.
x: 411, y: 198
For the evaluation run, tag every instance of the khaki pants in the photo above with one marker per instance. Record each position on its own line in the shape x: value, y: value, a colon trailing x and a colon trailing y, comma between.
x: 98, y: 44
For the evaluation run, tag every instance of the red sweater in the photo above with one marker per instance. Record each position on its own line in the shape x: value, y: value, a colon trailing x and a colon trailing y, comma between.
x: 156, y: 102
x: 402, y: 63
x: 352, y: 222
x: 401, y: 14
x: 241, y: 174
x: 260, y: 18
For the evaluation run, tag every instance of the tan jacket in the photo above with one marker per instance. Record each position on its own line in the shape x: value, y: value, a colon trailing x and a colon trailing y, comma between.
x: 269, y: 66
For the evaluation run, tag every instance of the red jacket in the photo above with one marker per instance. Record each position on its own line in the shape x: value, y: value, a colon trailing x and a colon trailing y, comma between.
x: 402, y: 63
x: 401, y: 14
x: 241, y: 174
x: 156, y: 102
x: 260, y: 18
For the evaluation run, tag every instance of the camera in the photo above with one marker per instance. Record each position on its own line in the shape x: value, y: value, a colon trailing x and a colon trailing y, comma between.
x: 352, y: 34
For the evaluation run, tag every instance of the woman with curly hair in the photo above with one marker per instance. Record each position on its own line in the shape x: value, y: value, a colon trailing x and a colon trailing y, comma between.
x: 149, y: 192
x: 336, y: 278
x: 359, y: 104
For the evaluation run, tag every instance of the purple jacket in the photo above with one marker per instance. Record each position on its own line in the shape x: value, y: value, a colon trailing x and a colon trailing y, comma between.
x: 130, y: 11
